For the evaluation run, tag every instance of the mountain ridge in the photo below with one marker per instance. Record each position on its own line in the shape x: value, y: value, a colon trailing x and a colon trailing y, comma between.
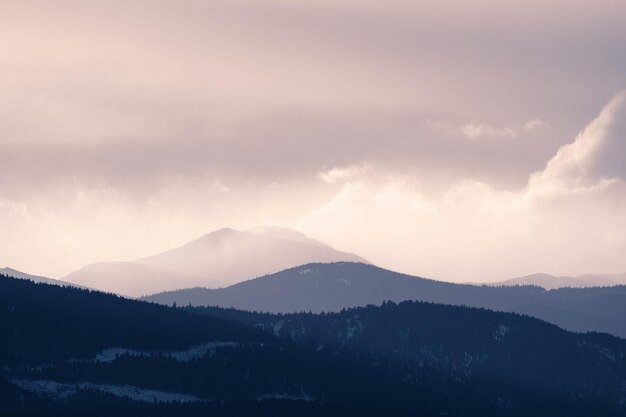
x: 332, y: 287
x: 550, y: 282
x: 221, y: 258
x: 413, y: 358
x: 8, y: 271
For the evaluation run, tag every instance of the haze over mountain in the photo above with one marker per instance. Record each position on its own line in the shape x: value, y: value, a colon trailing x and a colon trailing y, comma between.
x: 333, y: 287
x: 407, y: 127
x: 550, y: 282
x: 218, y: 259
x: 466, y: 144
x: 35, y: 278
x: 128, y: 278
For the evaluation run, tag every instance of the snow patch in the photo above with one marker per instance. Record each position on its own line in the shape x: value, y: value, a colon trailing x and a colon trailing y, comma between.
x: 283, y: 396
x: 109, y: 355
x: 305, y: 271
x: 201, y: 350
x: 500, y: 332
x: 277, y: 326
x: 62, y: 390
x: 600, y: 349
x: 194, y: 352
x: 354, y: 328
x: 50, y: 388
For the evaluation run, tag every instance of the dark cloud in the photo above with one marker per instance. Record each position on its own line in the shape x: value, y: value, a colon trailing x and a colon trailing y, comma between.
x: 277, y: 147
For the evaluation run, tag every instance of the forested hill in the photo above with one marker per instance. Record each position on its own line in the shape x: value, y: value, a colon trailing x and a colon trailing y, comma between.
x: 334, y: 286
x: 72, y: 352
x: 475, y: 344
x: 78, y: 352
x: 47, y: 322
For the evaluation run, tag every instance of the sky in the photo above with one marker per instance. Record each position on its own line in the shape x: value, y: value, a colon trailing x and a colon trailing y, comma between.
x: 458, y: 140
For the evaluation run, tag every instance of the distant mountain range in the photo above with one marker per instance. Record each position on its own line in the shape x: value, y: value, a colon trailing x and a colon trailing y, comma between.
x: 35, y: 278
x: 550, y: 282
x: 218, y: 259
x: 335, y: 286
x: 71, y: 352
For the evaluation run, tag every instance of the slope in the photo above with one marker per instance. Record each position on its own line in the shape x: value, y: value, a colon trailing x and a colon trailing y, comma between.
x: 551, y: 282
x: 35, y: 278
x: 332, y: 287
x: 74, y: 352
x: 218, y: 259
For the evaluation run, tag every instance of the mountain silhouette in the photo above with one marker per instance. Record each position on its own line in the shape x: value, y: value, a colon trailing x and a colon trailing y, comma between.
x: 73, y: 352
x: 550, y: 282
x: 35, y: 278
x: 335, y: 286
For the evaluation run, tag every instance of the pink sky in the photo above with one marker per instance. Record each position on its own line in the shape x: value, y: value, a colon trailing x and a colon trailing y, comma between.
x: 429, y: 137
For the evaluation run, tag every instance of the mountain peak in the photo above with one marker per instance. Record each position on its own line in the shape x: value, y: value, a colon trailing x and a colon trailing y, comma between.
x: 11, y: 272
x: 550, y: 282
x: 224, y: 231
x: 223, y: 257
x: 279, y: 232
x: 15, y: 273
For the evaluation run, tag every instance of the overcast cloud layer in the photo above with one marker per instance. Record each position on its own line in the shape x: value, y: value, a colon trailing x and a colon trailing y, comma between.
x: 458, y: 140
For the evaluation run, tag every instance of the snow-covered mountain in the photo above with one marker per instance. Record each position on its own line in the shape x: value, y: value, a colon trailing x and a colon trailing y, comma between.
x: 550, y: 282
x: 35, y: 278
x: 218, y: 259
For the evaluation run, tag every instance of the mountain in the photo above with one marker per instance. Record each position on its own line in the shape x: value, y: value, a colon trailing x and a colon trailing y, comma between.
x: 35, y: 278
x: 550, y: 282
x: 218, y: 259
x: 129, y: 278
x: 71, y: 352
x: 335, y: 286
x: 228, y: 256
x: 413, y: 339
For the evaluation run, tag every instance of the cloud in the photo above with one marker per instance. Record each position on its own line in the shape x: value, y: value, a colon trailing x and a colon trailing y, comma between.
x: 457, y: 227
x: 479, y: 130
x: 127, y: 127
x: 113, y: 94
x: 598, y: 153
x: 568, y: 219
x: 534, y: 125
x: 334, y: 175
x: 474, y: 130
